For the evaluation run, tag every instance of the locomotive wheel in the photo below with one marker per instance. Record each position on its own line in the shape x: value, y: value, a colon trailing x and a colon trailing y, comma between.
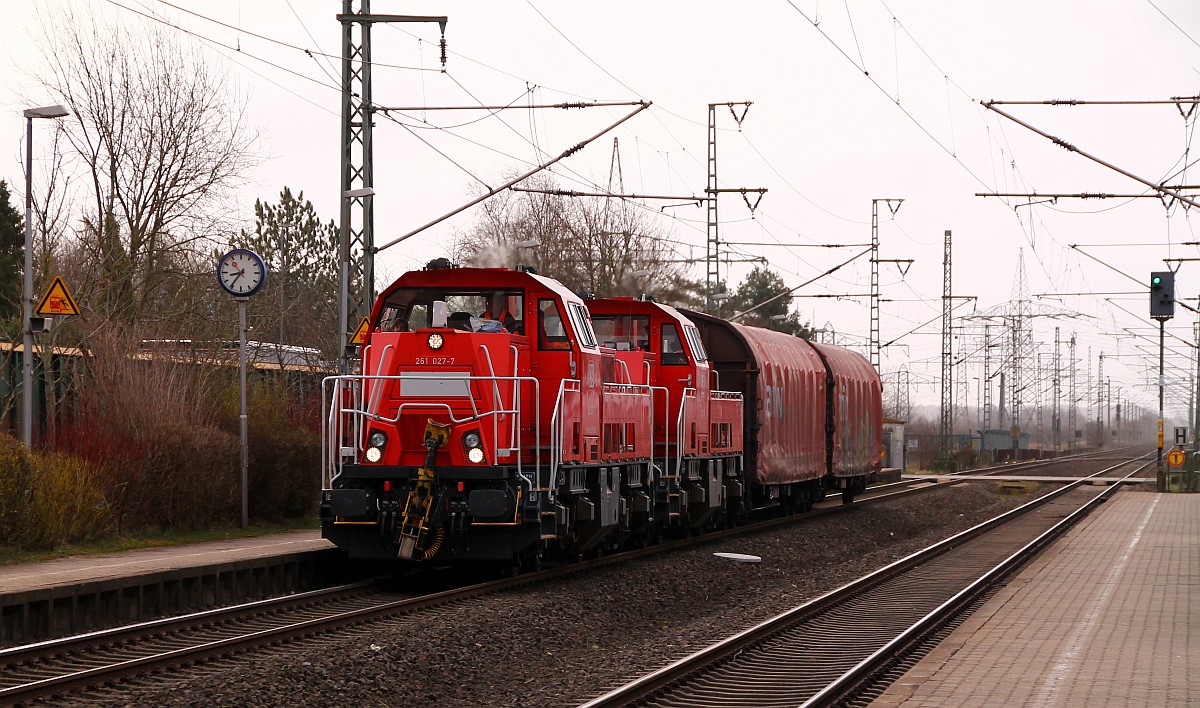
x: 848, y: 495
x: 530, y: 561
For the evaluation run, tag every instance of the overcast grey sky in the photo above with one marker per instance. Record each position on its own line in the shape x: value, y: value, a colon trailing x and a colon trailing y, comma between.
x: 852, y: 101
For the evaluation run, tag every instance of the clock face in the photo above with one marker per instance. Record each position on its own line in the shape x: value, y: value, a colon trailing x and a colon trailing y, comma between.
x: 241, y: 272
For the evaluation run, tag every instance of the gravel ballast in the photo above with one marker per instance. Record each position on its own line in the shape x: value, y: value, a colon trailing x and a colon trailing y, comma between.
x: 563, y: 642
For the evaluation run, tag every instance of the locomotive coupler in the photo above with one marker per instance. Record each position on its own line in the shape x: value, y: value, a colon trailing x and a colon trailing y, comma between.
x: 414, y: 528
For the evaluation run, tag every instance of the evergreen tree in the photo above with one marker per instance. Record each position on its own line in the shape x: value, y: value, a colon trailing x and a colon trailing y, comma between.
x: 760, y: 286
x: 300, y: 301
x: 12, y: 255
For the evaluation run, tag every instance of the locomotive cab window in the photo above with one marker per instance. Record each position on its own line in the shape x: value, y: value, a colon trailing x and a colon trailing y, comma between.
x: 623, y: 332
x: 475, y: 310
x: 579, y: 319
x: 672, y: 347
x: 693, y: 337
x: 552, y: 332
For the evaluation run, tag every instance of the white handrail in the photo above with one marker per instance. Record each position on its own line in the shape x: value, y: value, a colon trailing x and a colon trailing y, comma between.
x: 377, y: 391
x: 688, y: 392
x: 342, y: 418
x: 666, y: 412
x: 558, y: 432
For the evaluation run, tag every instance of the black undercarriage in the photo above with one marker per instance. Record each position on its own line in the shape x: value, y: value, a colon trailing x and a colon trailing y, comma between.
x: 495, y: 514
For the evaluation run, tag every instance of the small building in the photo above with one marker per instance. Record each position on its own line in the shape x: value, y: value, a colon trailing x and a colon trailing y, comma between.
x: 995, y: 440
x: 895, y: 449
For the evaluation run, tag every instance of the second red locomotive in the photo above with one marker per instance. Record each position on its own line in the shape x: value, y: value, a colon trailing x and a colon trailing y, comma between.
x: 500, y: 417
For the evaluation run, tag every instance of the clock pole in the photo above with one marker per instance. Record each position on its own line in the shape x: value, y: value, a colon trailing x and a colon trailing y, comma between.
x: 245, y: 472
x: 242, y: 273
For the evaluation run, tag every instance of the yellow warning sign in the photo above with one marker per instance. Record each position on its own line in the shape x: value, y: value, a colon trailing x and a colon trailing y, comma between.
x: 57, y: 300
x: 1175, y: 458
x: 360, y: 333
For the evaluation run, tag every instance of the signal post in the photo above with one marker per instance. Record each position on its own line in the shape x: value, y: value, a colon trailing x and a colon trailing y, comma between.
x: 1162, y: 308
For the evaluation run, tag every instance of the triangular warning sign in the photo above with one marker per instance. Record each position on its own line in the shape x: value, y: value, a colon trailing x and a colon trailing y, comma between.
x: 57, y: 300
x: 360, y: 333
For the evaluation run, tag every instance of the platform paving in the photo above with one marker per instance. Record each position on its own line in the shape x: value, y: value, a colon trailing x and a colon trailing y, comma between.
x: 1109, y: 615
x: 73, y: 570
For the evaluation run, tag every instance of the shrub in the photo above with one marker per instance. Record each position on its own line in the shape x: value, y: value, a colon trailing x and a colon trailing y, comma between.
x: 16, y: 483
x: 48, y: 500
x: 285, y: 450
x: 152, y: 428
x: 69, y: 504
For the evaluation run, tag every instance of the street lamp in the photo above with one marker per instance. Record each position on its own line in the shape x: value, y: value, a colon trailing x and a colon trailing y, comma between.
x: 55, y: 111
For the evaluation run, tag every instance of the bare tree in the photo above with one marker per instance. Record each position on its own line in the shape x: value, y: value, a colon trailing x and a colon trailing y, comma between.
x: 604, y: 246
x: 510, y: 219
x: 162, y: 142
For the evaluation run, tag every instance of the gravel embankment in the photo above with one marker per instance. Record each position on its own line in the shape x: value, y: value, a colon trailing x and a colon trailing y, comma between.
x: 564, y: 642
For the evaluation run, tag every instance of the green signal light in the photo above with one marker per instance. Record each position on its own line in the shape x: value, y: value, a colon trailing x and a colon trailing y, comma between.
x: 1156, y: 280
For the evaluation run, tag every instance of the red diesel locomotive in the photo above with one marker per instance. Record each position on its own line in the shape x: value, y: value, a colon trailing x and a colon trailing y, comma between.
x: 500, y: 417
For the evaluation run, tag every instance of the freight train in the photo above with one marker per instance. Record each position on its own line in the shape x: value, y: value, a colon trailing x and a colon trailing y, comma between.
x: 500, y: 417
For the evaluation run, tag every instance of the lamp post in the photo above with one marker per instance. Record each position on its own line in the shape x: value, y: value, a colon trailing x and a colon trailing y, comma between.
x: 55, y: 111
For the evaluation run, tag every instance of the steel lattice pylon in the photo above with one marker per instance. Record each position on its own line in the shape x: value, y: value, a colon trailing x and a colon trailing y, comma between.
x: 356, y: 237
x: 1020, y: 367
x: 947, y: 354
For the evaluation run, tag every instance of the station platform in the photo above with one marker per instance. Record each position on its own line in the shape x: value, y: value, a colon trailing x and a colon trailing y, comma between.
x: 1109, y: 615
x: 24, y: 577
x: 53, y: 598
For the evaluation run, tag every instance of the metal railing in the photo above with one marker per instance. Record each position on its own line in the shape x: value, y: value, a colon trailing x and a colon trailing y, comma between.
x: 343, y: 397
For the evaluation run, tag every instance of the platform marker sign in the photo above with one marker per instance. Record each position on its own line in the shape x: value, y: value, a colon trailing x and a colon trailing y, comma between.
x: 57, y: 300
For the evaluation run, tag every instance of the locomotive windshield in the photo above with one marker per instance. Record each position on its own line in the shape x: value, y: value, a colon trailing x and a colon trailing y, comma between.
x: 623, y: 332
x: 477, y: 310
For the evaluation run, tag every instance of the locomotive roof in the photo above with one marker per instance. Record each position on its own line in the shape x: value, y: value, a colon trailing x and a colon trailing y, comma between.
x: 479, y: 278
x: 631, y: 305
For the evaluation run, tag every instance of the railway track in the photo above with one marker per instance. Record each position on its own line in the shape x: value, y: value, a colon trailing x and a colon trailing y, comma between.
x: 67, y: 666
x: 829, y: 650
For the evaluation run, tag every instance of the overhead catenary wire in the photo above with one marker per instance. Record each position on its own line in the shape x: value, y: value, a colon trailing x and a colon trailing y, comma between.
x: 1071, y: 148
x: 788, y: 292
x: 566, y: 153
x: 273, y: 40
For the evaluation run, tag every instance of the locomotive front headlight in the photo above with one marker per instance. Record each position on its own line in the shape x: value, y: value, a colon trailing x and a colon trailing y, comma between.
x: 435, y: 341
x: 473, y: 442
x: 375, y: 443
